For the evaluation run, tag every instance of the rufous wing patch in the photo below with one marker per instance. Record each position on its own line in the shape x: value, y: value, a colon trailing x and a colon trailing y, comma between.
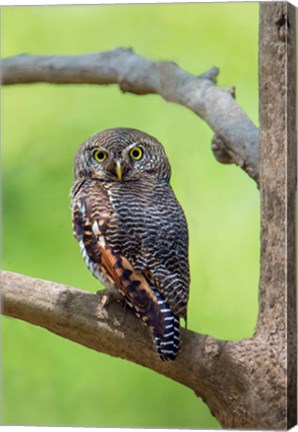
x: 134, y: 288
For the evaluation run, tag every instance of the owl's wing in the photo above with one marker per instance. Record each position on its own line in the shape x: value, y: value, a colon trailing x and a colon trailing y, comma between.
x: 93, y: 218
x: 164, y: 248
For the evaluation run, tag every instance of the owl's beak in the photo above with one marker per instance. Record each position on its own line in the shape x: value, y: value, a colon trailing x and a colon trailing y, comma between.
x: 118, y: 170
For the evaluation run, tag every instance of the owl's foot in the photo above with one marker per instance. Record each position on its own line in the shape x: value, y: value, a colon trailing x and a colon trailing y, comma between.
x: 109, y: 297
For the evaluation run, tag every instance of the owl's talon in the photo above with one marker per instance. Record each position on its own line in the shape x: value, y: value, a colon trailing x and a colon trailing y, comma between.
x: 107, y: 299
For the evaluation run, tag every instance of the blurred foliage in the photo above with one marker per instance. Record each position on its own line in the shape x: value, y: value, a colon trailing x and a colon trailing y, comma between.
x: 51, y: 381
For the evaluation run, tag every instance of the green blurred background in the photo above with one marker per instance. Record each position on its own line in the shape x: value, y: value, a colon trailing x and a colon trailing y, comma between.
x: 51, y: 381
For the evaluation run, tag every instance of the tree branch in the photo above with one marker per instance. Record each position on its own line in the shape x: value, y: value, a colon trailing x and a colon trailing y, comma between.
x: 81, y: 317
x: 141, y: 76
x: 214, y: 369
x: 205, y: 365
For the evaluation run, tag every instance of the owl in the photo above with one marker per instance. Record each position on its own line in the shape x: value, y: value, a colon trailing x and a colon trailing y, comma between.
x: 131, y: 229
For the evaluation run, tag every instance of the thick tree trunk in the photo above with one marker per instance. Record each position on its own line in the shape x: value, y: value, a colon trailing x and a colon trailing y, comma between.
x: 277, y: 319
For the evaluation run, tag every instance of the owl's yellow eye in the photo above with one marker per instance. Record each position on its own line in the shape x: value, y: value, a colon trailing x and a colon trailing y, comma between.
x: 99, y: 155
x: 136, y: 153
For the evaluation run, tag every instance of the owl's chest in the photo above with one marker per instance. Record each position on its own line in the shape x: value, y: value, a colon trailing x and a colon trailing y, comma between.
x: 146, y: 218
x: 146, y: 224
x: 138, y: 205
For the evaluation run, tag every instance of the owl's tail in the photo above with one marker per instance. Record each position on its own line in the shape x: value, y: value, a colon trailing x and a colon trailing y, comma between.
x: 168, y: 344
x: 145, y: 300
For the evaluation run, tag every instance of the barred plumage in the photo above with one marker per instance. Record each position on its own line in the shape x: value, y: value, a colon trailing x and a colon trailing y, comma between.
x: 131, y: 229
x: 168, y: 344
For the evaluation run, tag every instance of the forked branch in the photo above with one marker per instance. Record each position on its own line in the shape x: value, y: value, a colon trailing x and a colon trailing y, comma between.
x: 209, y: 367
x: 237, y: 137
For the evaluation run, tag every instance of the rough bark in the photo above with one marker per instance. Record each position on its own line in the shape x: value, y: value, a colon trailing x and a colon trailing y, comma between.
x: 223, y: 373
x: 277, y: 318
x: 247, y: 384
x: 237, y: 137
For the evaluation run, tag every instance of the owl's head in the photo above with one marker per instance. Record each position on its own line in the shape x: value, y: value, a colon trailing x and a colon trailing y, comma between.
x: 121, y: 154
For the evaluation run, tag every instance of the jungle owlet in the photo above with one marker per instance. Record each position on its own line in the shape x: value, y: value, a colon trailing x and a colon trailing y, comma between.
x: 132, y: 230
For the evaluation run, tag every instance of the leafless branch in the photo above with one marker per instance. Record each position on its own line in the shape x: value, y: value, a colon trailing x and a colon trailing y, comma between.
x: 80, y: 316
x: 212, y: 368
x: 141, y: 76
